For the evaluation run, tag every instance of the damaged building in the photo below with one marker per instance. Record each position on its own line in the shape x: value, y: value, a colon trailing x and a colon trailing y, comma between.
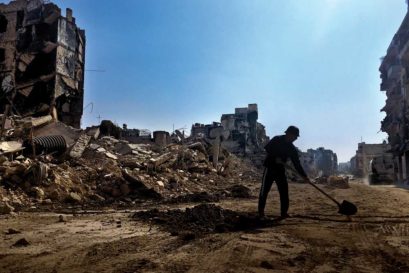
x: 370, y: 156
x: 394, y: 71
x: 42, y: 55
x: 319, y: 162
x: 242, y: 135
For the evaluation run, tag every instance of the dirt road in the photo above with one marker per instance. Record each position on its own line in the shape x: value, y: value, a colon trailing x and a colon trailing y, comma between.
x: 315, y: 239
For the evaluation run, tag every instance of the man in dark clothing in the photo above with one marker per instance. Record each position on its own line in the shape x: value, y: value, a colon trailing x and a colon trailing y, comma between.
x: 279, y: 149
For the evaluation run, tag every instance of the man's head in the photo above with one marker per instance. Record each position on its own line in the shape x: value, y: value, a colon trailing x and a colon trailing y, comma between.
x: 292, y: 133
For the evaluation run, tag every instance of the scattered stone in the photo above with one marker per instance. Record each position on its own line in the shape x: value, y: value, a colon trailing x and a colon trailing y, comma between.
x: 73, y: 198
x: 61, y: 219
x: 21, y: 243
x: 110, y: 155
x: 94, y: 146
x: 5, y: 208
x: 39, y: 193
x: 79, y: 147
x: 12, y: 231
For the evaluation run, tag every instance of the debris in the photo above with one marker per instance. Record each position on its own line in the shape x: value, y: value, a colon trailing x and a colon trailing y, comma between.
x: 112, y: 156
x: 5, y: 208
x: 61, y: 219
x: 73, y: 197
x: 21, y: 243
x: 156, y: 162
x: 79, y: 146
x: 10, y: 147
x: 12, y: 231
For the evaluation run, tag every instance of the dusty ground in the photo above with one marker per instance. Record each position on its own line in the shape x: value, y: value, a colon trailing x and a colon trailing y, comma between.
x: 315, y: 239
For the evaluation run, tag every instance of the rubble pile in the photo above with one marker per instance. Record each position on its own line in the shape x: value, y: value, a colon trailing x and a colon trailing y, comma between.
x: 51, y: 163
x: 203, y: 218
x: 339, y: 182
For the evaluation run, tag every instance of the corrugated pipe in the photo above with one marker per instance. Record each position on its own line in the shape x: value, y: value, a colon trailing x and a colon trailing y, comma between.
x: 49, y: 144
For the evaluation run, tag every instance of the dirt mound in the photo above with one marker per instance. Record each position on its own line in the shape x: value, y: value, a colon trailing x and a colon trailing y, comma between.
x: 204, y: 218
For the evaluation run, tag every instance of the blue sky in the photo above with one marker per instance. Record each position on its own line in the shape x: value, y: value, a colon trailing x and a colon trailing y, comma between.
x: 311, y: 63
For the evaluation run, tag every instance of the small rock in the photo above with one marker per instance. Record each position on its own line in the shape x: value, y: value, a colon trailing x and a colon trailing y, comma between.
x: 11, y: 231
x: 94, y: 146
x: 38, y: 192
x: 5, y: 208
x: 47, y: 201
x: 61, y: 219
x: 74, y: 198
x: 21, y: 243
x: 160, y: 183
x: 110, y: 155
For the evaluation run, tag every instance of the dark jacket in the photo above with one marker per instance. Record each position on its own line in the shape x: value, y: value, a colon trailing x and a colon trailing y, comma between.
x: 278, y: 151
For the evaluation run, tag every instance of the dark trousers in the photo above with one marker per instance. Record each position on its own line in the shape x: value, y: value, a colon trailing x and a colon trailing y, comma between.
x: 270, y: 175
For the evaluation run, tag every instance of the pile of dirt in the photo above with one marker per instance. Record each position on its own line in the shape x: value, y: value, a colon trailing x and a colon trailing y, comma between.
x: 204, y: 218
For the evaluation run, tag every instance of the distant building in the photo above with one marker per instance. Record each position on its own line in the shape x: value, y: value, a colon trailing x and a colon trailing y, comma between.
x: 361, y: 162
x: 42, y: 57
x: 245, y: 136
x: 319, y: 162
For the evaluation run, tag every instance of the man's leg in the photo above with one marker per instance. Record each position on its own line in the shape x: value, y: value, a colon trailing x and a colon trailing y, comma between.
x: 266, y: 184
x: 282, y: 187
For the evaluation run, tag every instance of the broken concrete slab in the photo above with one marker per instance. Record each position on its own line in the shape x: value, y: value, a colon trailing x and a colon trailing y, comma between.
x: 93, y: 131
x: 156, y: 162
x: 79, y: 147
x: 122, y: 148
x: 10, y: 147
x: 110, y: 155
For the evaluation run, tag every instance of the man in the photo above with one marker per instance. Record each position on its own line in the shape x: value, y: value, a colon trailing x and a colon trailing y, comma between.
x: 279, y: 149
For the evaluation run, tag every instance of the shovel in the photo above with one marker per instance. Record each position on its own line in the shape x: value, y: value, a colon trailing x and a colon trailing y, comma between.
x: 345, y: 208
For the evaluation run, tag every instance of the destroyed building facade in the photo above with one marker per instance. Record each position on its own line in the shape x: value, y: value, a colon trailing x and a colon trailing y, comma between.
x: 365, y: 154
x: 242, y: 135
x: 42, y: 56
x: 394, y: 71
x: 319, y: 162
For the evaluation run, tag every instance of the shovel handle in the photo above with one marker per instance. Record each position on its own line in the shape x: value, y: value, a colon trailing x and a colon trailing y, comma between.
x: 323, y: 192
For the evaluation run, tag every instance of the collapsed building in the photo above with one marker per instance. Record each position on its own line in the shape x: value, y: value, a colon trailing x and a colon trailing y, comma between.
x: 242, y: 134
x: 42, y: 56
x: 394, y: 71
x: 319, y: 162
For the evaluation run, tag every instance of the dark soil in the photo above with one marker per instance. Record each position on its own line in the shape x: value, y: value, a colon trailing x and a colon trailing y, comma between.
x: 204, y: 218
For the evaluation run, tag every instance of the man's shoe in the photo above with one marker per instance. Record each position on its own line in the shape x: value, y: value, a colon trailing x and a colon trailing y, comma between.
x: 282, y: 217
x: 262, y: 217
x: 285, y: 216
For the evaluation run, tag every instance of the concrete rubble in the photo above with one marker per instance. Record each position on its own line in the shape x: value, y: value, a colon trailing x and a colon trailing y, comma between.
x: 104, y: 169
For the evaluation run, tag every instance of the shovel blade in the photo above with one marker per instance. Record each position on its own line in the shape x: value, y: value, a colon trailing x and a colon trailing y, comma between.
x: 347, y: 208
